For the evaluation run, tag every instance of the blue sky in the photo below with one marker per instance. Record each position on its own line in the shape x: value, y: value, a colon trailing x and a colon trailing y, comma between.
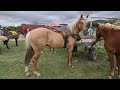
x: 15, y: 18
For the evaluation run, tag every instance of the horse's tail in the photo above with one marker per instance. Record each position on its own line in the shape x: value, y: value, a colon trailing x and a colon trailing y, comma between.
x: 29, y: 50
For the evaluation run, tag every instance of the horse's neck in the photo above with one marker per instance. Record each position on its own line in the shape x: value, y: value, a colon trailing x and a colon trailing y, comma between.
x: 75, y: 30
x: 106, y: 34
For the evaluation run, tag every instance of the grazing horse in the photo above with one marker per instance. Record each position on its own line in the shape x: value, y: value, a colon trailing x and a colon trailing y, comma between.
x: 14, y: 35
x: 111, y: 35
x: 38, y: 39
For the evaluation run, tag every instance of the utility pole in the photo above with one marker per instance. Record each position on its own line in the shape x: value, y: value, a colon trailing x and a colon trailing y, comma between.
x: 91, y: 22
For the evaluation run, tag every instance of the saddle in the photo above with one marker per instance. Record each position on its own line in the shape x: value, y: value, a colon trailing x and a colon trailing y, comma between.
x: 61, y: 31
x: 65, y: 32
x: 56, y: 30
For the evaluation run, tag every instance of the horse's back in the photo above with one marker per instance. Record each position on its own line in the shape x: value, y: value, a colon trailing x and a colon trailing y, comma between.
x: 44, y: 36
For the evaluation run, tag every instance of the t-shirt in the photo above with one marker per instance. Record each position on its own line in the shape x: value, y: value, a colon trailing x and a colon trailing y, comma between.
x: 0, y: 32
x: 90, y: 30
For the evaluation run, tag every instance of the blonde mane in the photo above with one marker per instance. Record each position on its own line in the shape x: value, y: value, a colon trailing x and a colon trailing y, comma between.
x: 72, y: 25
x: 111, y: 26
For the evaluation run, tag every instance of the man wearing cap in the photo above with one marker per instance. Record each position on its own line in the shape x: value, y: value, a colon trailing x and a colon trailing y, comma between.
x: 1, y: 32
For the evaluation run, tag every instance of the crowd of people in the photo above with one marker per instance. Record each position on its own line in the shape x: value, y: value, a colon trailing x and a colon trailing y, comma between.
x: 26, y: 30
x: 3, y: 31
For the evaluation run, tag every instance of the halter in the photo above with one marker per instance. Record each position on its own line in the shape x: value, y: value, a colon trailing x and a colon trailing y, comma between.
x: 76, y: 37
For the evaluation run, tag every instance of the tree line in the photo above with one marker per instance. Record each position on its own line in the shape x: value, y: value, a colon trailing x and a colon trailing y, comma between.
x: 112, y: 21
x: 11, y: 28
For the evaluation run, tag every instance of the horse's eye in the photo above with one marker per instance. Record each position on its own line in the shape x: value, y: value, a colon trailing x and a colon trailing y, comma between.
x: 81, y: 22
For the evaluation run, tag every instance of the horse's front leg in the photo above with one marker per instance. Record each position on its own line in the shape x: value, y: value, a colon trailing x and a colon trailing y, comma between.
x: 111, y: 59
x: 69, y: 56
x: 16, y: 41
x: 6, y: 43
x: 118, y: 64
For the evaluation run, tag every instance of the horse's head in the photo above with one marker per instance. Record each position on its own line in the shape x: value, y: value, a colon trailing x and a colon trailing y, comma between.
x: 77, y: 25
x: 98, y: 31
x: 20, y: 31
x: 82, y: 23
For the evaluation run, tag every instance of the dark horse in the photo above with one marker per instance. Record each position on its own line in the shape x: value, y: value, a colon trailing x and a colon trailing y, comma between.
x: 14, y: 34
x: 111, y: 35
x: 38, y: 39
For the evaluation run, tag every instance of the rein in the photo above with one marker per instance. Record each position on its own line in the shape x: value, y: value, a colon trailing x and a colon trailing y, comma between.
x: 75, y: 36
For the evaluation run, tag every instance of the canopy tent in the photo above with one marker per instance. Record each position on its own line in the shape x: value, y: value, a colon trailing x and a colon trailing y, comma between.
x: 55, y: 24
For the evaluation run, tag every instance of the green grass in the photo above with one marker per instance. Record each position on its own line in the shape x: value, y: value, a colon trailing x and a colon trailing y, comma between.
x: 53, y: 66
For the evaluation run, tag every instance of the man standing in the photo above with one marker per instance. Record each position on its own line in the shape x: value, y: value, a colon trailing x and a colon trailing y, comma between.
x: 1, y: 32
x: 5, y: 32
x: 90, y: 31
x: 25, y: 32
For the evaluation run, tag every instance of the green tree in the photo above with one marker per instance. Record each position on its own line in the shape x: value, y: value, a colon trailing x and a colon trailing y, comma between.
x: 11, y: 28
x: 18, y: 28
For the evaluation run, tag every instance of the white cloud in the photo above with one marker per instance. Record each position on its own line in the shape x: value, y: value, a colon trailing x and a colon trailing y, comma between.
x: 46, y: 17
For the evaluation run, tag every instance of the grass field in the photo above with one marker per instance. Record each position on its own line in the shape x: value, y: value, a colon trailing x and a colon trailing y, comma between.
x: 53, y: 66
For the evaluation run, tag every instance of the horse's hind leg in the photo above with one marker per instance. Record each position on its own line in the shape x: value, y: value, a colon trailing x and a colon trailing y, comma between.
x: 35, y: 62
x: 51, y: 50
x: 6, y: 43
x: 54, y: 50
x: 118, y: 64
x: 111, y: 58
x: 28, y: 56
x: 16, y: 41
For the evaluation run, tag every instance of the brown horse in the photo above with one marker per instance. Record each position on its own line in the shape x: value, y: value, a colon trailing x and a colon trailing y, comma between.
x: 111, y: 35
x: 38, y: 39
x: 15, y: 35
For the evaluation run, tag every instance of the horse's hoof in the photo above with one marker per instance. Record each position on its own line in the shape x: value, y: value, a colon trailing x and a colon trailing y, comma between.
x: 54, y: 52
x: 116, y: 68
x: 109, y: 77
x: 119, y: 76
x: 37, y: 74
x: 72, y: 66
x: 27, y: 74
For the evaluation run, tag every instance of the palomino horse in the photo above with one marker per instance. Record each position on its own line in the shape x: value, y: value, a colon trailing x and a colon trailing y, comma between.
x: 38, y: 39
x: 111, y: 35
x: 14, y: 35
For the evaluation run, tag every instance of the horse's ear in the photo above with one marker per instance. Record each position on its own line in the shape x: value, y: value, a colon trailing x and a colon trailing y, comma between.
x: 87, y: 16
x: 97, y: 24
x: 81, y: 16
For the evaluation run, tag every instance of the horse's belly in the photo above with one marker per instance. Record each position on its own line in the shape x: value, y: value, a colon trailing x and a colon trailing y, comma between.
x: 56, y: 42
